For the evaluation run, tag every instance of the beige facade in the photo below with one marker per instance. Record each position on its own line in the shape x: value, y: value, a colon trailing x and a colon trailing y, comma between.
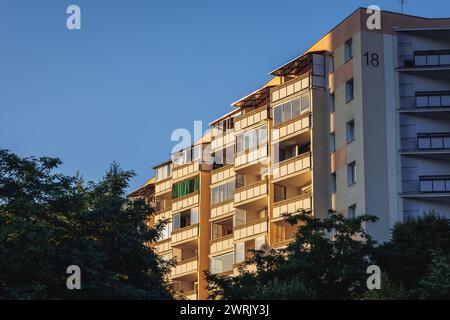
x: 349, y: 125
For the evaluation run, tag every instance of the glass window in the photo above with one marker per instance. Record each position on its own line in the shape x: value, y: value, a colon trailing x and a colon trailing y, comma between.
x: 240, y: 180
x: 422, y: 101
x: 240, y: 217
x: 350, y: 131
x: 240, y: 143
x: 352, y: 212
x: 420, y: 60
x: 280, y: 193
x: 259, y: 242
x: 305, y: 104
x: 424, y: 143
x: 222, y: 263
x: 446, y: 101
x: 349, y: 90
x: 348, y: 50
x: 351, y: 171
x: 287, y: 111
x: 426, y: 185
x: 434, y: 101
x: 332, y: 142
x: 278, y: 115
x: 262, y: 136
x: 240, y: 252
x: 194, y: 215
x: 296, y: 107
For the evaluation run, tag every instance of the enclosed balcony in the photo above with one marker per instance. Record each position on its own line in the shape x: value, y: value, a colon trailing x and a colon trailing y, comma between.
x: 251, y: 118
x: 282, y: 233
x: 222, y: 264
x: 293, y: 170
x: 252, y: 196
x: 292, y: 205
x: 252, y: 150
x: 184, y: 268
x: 190, y: 161
x: 249, y: 223
x: 185, y: 226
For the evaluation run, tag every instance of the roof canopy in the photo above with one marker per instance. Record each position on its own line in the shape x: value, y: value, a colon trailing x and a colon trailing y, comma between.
x: 257, y: 97
x: 296, y: 66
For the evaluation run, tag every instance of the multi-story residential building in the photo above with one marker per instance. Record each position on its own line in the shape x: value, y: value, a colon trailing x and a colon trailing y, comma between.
x: 358, y: 123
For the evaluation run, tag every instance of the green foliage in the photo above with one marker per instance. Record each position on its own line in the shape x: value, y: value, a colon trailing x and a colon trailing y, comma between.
x: 49, y: 221
x: 327, y: 260
x: 436, y: 285
x: 389, y: 291
x: 407, y: 257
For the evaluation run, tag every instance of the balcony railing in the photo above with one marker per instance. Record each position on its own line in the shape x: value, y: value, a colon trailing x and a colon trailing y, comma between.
x: 221, y: 244
x: 251, y: 118
x: 427, y: 142
x: 434, y: 184
x: 185, y: 266
x: 432, y: 58
x: 185, y: 201
x: 251, y: 156
x: 292, y: 205
x: 293, y: 127
x: 292, y: 166
x: 250, y: 228
x: 184, y: 234
x: 426, y: 100
x: 253, y: 191
x: 163, y: 186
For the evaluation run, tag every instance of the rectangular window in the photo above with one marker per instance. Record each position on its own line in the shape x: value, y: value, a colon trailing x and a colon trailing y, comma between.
x: 185, y: 219
x: 222, y: 193
x: 332, y: 142
x: 240, y: 217
x: 183, y: 188
x: 348, y: 50
x: 239, y: 252
x: 351, y: 173
x: 350, y: 131
x: 291, y: 109
x: 349, y: 90
x: 333, y: 183
x: 240, y: 180
x: 352, y: 212
x: 280, y: 193
x: 222, y: 263
x: 221, y: 228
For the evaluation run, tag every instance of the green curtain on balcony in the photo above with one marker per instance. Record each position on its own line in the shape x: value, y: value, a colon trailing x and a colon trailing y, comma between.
x: 185, y: 187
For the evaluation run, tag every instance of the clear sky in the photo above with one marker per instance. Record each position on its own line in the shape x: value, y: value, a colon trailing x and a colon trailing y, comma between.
x: 138, y: 69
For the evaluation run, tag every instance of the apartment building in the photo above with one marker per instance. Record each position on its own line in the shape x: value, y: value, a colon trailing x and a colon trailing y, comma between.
x: 358, y: 123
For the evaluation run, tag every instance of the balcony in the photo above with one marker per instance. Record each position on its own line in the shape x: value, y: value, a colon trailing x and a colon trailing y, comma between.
x: 222, y: 209
x: 251, y: 118
x: 251, y: 160
x: 187, y: 170
x: 250, y: 228
x: 185, y: 202
x: 426, y: 60
x: 163, y: 186
x: 185, y: 267
x: 190, y: 295
x: 185, y: 234
x: 254, y: 196
x: 294, y: 127
x: 429, y: 101
x: 163, y: 246
x: 427, y: 187
x: 292, y: 167
x: 427, y: 143
x: 223, y: 140
x: 221, y: 244
x: 222, y: 173
x: 292, y: 205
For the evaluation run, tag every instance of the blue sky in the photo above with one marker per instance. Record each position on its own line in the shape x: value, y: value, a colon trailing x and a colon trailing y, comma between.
x: 138, y: 69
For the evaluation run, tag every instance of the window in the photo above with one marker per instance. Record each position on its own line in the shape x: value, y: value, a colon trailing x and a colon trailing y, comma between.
x: 240, y: 180
x: 291, y: 109
x: 221, y: 228
x: 351, y: 173
x: 251, y: 140
x: 352, y: 212
x: 350, y: 131
x: 187, y: 156
x: 349, y: 90
x: 163, y: 172
x: 183, y: 188
x: 333, y: 183
x: 332, y: 142
x: 165, y: 233
x: 222, y: 263
x: 185, y: 219
x: 223, y: 126
x: 222, y: 193
x: 239, y: 252
x: 223, y: 157
x: 240, y: 217
x: 348, y: 50
x: 332, y: 102
x: 280, y: 193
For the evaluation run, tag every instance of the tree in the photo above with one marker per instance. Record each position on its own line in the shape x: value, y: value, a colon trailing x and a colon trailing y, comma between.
x: 327, y: 260
x: 389, y: 291
x: 49, y: 221
x: 407, y: 256
x: 436, y: 285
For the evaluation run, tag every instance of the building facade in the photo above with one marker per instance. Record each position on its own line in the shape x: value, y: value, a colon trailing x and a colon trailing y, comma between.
x: 358, y: 123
